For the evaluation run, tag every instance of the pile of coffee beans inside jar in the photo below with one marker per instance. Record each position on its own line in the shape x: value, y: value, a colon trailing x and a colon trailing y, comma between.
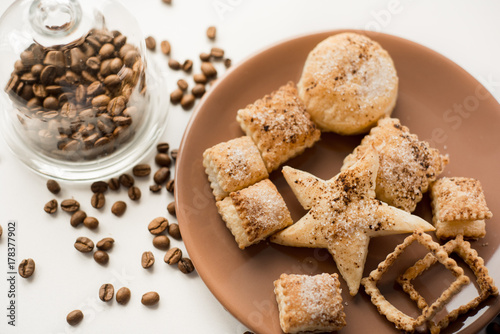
x: 80, y: 100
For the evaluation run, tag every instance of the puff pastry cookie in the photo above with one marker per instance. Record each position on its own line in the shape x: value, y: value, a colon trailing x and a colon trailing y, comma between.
x: 349, y: 81
x: 459, y: 207
x: 309, y: 303
x: 407, y: 165
x: 279, y: 125
x: 233, y: 165
x: 254, y: 213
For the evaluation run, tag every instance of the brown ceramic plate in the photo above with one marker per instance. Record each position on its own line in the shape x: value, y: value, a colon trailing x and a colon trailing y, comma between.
x: 437, y: 100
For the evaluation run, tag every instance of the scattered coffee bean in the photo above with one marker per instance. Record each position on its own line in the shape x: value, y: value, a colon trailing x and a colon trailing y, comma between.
x: 70, y: 205
x: 217, y: 53
x: 106, y: 292
x: 171, y: 208
x: 141, y: 170
x: 126, y: 180
x: 114, y: 184
x: 198, y: 90
x: 118, y: 208
x: 163, y: 159
x: 174, y: 153
x: 53, y: 186
x: 98, y: 200
x: 205, y: 56
x: 77, y: 218
x: 208, y: 69
x: 211, y: 32
x: 150, y: 43
x: 170, y: 186
x: 99, y: 187
x: 161, y: 242
x: 174, y: 231
x: 158, y: 225
x: 155, y: 188
x: 84, y: 245
x: 101, y: 257
x: 26, y: 268
x: 105, y: 244
x: 173, y: 256
x: 50, y: 206
x: 134, y: 193
x: 182, y: 84
x: 150, y: 298
x: 162, y: 175
x: 165, y: 47
x: 200, y: 78
x: 1, y: 230
x: 123, y: 295
x: 176, y: 96
x: 147, y: 259
x: 227, y: 62
x: 187, y: 101
x: 162, y: 147
x: 174, y: 64
x: 185, y: 265
x: 91, y: 223
x: 187, y: 65
x: 168, y: 2
x: 74, y: 317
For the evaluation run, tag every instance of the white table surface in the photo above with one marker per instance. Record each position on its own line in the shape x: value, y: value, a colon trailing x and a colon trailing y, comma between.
x: 465, y: 31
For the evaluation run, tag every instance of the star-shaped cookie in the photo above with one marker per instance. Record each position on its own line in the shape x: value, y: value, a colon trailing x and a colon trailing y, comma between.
x: 344, y: 215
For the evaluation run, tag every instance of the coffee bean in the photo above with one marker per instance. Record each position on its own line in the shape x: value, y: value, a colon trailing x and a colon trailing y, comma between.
x: 70, y: 205
x: 205, y: 56
x: 171, y: 208
x: 198, y: 90
x: 91, y: 223
x: 101, y: 257
x: 158, y: 225
x: 187, y: 101
x: 99, y: 187
x: 185, y: 265
x: 168, y: 2
x: 26, y: 268
x: 200, y: 78
x: 147, y: 259
x: 155, y: 188
x: 174, y: 64
x: 53, y: 186
x: 217, y: 53
x: 174, y: 231
x: 187, y: 65
x: 126, y: 180
x: 173, y: 256
x: 84, y: 245
x: 105, y: 244
x: 48, y: 75
x: 98, y: 200
x: 170, y: 186
x: 165, y: 47
x: 106, y: 51
x: 50, y: 206
x: 141, y: 170
x: 176, y: 96
x: 161, y: 242
x: 211, y: 32
x: 227, y: 62
x: 1, y: 230
x: 119, y: 41
x: 115, y: 65
x: 163, y: 159
x: 162, y: 175
x: 208, y: 69
x: 106, y: 292
x: 123, y: 295
x: 112, y: 81
x: 94, y: 63
x: 150, y: 298
x: 118, y: 208
x: 77, y: 218
x: 117, y: 105
x: 95, y: 88
x: 150, y: 43
x: 50, y: 103
x: 74, y: 317
x: 100, y: 102
x: 114, y: 183
x: 134, y: 193
x: 182, y: 84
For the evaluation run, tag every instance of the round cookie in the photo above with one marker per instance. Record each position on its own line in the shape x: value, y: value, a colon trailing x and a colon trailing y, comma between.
x: 348, y: 83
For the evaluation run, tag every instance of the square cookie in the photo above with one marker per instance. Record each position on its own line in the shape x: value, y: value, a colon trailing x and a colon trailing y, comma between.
x: 233, y: 165
x: 459, y: 207
x: 254, y: 213
x: 407, y: 165
x: 279, y: 125
x: 309, y: 303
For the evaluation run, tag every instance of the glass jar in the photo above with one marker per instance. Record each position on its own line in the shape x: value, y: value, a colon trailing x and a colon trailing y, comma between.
x: 80, y: 98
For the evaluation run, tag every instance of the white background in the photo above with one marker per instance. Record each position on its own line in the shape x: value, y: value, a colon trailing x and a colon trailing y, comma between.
x: 465, y: 31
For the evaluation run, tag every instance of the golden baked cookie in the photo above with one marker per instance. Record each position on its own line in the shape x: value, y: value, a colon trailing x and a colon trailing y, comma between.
x: 407, y: 165
x: 233, y: 165
x: 254, y: 213
x: 309, y: 303
x: 279, y: 125
x: 348, y: 83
